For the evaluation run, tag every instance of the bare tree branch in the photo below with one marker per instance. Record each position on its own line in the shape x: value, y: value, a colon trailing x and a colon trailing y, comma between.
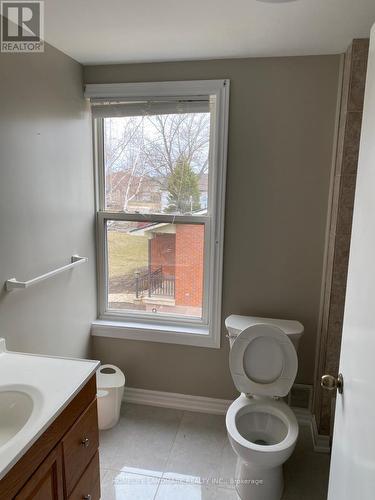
x: 149, y: 147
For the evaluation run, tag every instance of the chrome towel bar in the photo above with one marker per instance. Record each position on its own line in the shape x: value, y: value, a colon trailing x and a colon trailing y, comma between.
x: 13, y: 283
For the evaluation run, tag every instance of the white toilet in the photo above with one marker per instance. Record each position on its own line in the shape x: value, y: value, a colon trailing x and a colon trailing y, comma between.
x: 262, y: 429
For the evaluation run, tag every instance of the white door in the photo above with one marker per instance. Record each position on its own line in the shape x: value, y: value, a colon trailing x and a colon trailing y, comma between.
x: 352, y: 474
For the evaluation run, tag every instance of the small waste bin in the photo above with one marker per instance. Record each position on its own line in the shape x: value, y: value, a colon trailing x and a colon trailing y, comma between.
x: 110, y: 383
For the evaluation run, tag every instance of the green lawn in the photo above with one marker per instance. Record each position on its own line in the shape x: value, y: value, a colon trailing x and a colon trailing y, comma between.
x: 126, y: 253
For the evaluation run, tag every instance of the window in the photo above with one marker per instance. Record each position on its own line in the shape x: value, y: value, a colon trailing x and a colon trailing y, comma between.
x: 160, y: 158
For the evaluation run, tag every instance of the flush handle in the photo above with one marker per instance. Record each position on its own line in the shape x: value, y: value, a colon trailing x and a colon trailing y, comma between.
x: 331, y: 383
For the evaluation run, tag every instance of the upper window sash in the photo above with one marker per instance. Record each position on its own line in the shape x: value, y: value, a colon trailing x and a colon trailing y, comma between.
x: 201, y: 157
x: 184, y: 93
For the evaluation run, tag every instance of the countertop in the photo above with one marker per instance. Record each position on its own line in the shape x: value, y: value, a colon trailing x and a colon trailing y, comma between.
x: 51, y: 382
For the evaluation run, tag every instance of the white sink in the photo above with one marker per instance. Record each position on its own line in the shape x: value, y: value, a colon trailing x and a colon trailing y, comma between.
x: 33, y: 391
x: 16, y: 407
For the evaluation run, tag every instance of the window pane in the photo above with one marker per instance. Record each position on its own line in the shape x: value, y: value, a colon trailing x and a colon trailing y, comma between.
x: 155, y: 268
x: 157, y: 163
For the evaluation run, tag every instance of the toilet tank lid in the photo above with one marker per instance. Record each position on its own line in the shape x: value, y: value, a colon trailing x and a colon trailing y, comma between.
x: 236, y: 324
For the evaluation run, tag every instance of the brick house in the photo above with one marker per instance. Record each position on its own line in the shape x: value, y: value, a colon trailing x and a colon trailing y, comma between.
x: 175, y: 256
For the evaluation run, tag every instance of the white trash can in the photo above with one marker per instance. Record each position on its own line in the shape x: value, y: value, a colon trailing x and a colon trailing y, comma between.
x: 110, y: 382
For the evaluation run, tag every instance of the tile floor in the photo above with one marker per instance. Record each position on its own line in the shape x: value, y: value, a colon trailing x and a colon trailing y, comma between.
x: 162, y: 454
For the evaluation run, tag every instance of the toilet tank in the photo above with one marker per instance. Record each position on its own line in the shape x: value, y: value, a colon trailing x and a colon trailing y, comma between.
x: 235, y: 324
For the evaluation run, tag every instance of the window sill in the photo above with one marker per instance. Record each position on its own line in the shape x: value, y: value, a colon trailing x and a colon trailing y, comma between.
x: 169, y: 334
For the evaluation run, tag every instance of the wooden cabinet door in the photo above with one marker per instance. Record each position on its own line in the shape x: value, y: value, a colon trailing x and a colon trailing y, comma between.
x: 79, y: 446
x: 47, y: 481
x: 89, y: 484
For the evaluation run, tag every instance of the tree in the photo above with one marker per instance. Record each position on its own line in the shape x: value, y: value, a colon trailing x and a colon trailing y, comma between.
x: 125, y: 165
x: 183, y: 189
x: 173, y: 138
x: 142, y: 152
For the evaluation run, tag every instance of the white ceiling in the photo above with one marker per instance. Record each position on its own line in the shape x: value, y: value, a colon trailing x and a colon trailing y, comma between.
x: 114, y: 31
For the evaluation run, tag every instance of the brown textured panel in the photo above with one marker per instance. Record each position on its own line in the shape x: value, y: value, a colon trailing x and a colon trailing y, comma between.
x: 352, y: 136
x: 357, y: 85
x: 360, y: 47
x: 340, y: 268
x: 354, y: 78
x: 358, y: 71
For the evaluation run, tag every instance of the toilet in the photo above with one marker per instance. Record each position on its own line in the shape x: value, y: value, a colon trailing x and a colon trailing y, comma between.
x: 261, y: 427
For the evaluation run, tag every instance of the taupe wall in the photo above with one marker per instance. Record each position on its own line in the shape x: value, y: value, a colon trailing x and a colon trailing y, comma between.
x: 46, y: 203
x: 282, y: 113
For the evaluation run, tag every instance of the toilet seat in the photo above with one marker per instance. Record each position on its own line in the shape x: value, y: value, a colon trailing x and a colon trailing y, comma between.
x: 263, y: 361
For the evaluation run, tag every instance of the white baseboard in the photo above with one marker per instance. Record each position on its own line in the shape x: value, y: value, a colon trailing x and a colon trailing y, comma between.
x: 214, y: 406
x: 176, y: 401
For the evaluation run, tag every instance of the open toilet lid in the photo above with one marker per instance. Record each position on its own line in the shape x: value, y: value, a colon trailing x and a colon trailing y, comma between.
x: 263, y: 361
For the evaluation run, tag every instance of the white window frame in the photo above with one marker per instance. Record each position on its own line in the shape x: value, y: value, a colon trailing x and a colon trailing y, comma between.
x: 205, y: 332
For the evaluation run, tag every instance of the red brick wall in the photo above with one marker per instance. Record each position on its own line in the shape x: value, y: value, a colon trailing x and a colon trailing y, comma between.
x: 163, y: 253
x: 189, y: 264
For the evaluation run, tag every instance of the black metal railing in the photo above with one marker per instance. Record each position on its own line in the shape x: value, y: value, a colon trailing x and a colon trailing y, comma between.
x: 166, y: 287
x: 155, y: 283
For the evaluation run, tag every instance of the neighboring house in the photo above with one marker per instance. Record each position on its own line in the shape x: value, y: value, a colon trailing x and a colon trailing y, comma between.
x: 175, y: 259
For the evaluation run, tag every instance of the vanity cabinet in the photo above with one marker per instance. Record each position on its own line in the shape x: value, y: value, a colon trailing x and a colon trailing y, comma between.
x: 47, y: 481
x: 79, y: 447
x: 63, y: 464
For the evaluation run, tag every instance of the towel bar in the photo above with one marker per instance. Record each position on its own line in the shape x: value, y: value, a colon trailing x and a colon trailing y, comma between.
x: 13, y: 283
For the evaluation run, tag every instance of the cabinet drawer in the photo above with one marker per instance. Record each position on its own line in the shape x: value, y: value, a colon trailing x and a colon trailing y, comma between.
x: 88, y: 486
x: 79, y: 446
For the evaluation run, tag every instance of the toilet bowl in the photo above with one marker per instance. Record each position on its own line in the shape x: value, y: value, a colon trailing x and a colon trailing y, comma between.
x: 261, y: 427
x: 263, y: 434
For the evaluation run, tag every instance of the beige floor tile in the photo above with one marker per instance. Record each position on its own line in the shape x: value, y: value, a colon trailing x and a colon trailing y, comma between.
x: 192, y: 455
x: 123, y: 486
x: 142, y: 440
x: 198, y: 448
x: 228, y: 465
x: 173, y: 490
